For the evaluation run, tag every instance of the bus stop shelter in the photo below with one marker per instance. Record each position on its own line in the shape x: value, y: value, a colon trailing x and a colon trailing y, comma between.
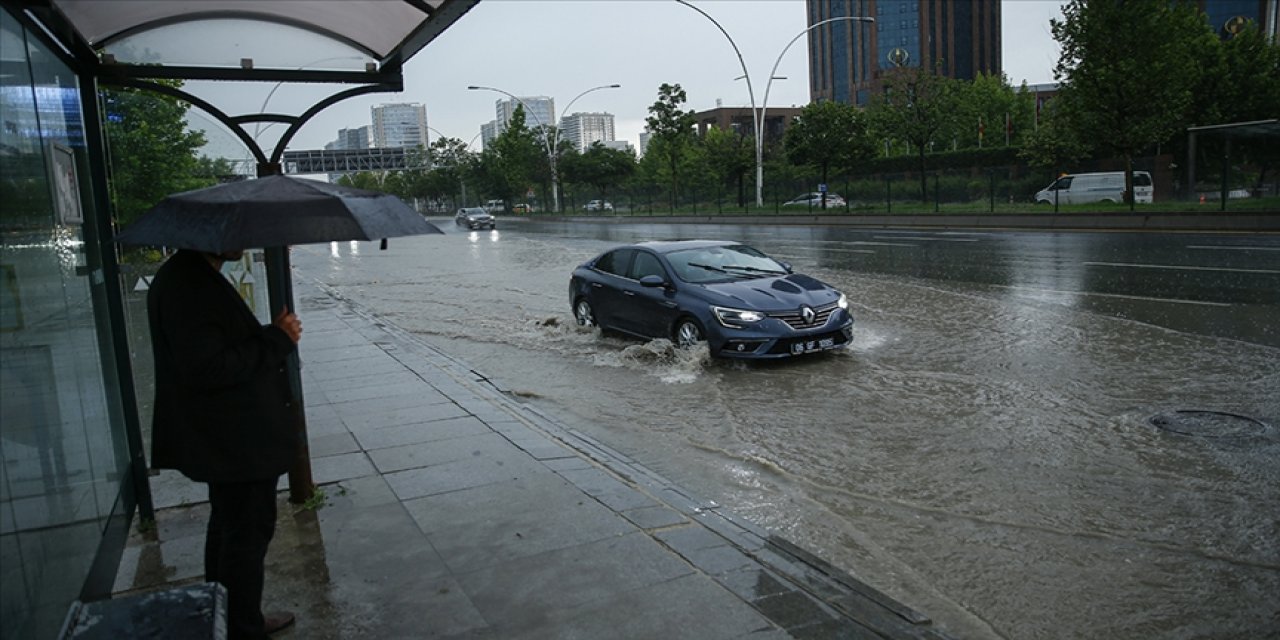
x: 338, y: 49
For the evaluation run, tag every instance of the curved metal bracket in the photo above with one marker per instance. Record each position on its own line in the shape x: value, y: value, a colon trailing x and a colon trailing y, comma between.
x: 236, y: 123
x: 325, y: 104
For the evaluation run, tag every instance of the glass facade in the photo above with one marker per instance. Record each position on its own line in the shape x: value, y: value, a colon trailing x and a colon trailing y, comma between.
x: 64, y: 463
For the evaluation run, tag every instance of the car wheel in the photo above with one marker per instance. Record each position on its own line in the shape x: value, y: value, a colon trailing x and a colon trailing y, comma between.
x: 583, y: 313
x: 688, y: 333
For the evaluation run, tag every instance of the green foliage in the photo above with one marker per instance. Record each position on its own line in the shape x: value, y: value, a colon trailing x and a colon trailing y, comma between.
x: 151, y: 153
x: 727, y: 158
x: 989, y: 100
x: 917, y: 105
x: 671, y: 128
x: 829, y: 135
x: 1128, y: 70
x: 599, y: 167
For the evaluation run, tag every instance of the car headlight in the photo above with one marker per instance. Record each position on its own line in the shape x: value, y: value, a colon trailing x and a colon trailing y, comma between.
x: 736, y: 317
x: 843, y: 302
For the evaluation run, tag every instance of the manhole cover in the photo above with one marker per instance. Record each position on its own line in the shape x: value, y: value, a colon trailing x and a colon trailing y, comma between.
x: 1208, y: 424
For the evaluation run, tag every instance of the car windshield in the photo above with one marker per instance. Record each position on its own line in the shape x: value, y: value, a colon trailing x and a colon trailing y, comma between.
x: 474, y: 212
x: 720, y: 264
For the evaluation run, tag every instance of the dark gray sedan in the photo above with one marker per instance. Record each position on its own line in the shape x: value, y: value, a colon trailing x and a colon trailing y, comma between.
x: 475, y: 218
x: 739, y: 301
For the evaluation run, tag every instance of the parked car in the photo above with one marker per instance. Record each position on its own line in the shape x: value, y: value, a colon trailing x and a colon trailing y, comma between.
x: 475, y: 218
x: 739, y: 301
x: 494, y: 205
x: 598, y: 205
x: 814, y: 200
x: 521, y: 207
x: 1083, y: 188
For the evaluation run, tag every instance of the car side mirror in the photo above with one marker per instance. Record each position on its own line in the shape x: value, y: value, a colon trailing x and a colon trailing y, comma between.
x: 786, y: 266
x: 652, y: 281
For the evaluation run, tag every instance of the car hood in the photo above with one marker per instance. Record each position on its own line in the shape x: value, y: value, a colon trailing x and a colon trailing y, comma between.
x: 778, y: 293
x: 479, y: 216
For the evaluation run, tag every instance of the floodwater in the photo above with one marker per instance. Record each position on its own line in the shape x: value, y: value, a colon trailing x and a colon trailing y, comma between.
x: 982, y: 452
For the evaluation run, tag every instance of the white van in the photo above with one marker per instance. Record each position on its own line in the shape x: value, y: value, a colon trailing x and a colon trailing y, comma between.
x: 1083, y: 188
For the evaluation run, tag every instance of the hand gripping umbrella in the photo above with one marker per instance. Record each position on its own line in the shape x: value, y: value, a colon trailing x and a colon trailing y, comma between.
x: 273, y: 213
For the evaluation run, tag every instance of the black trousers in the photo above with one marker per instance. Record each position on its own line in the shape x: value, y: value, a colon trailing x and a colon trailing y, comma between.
x: 241, y: 524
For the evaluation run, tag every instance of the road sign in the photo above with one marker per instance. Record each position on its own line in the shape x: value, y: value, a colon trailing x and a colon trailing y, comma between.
x: 822, y: 187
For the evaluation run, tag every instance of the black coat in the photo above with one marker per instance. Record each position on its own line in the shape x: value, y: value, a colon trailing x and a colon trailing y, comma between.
x: 223, y: 410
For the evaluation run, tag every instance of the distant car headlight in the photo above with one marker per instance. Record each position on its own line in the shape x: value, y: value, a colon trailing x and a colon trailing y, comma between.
x: 736, y: 317
x: 843, y: 302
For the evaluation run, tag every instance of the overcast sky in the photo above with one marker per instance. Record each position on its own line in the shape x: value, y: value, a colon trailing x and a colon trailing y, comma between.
x: 560, y: 48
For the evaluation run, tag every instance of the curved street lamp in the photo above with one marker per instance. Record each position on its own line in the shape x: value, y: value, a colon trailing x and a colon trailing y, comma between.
x: 550, y: 143
x: 757, y: 115
x: 764, y: 105
x: 751, y: 95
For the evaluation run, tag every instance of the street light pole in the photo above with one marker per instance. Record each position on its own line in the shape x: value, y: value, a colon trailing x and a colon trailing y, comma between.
x: 553, y: 142
x: 773, y: 74
x: 755, y: 115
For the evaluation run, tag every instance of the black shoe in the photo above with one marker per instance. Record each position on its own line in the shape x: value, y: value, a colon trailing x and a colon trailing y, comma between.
x: 276, y: 620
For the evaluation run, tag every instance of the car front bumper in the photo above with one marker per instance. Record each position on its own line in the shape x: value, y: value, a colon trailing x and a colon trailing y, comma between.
x: 767, y: 342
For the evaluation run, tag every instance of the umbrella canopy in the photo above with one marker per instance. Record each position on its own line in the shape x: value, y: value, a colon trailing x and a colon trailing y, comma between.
x: 275, y: 211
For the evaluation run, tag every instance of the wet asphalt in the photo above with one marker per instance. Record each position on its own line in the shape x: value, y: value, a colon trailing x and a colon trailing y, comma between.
x: 449, y: 509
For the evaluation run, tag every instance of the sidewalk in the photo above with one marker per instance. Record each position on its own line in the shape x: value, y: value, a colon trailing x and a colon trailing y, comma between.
x: 451, y: 510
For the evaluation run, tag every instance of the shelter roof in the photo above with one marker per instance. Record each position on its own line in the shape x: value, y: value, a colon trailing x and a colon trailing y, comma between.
x: 244, y: 39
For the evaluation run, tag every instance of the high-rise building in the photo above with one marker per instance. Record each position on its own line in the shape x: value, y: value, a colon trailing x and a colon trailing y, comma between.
x: 584, y: 129
x: 847, y: 59
x: 539, y: 111
x: 357, y: 138
x: 488, y: 131
x: 400, y: 124
x: 1227, y: 17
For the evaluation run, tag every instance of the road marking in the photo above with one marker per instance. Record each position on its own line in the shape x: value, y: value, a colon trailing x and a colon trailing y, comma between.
x: 925, y: 237
x: 1177, y: 267
x: 1238, y: 248
x: 1120, y: 295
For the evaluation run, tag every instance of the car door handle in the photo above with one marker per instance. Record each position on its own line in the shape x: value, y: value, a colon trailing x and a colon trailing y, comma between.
x: 628, y: 293
x: 669, y: 304
x: 597, y: 285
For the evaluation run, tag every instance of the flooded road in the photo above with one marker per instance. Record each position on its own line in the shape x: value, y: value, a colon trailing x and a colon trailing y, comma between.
x: 983, y: 451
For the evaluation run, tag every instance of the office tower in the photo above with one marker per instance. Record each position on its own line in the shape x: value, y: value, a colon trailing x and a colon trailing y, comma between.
x: 583, y: 129
x: 847, y: 59
x: 488, y: 131
x: 539, y: 111
x: 1227, y: 17
x: 401, y: 124
x: 357, y: 138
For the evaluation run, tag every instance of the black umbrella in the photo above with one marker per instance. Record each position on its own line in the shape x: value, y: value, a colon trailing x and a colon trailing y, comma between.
x: 275, y: 211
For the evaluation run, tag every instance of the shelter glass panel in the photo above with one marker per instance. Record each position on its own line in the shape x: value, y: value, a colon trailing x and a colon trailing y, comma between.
x: 62, y: 445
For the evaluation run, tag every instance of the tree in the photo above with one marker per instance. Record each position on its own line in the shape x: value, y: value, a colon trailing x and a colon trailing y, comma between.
x: 1053, y: 145
x: 151, y: 152
x: 982, y: 109
x: 449, y: 160
x: 827, y: 135
x: 1250, y: 91
x: 513, y: 160
x: 1127, y: 71
x: 600, y: 167
x: 672, y: 130
x: 917, y: 104
x: 729, y: 157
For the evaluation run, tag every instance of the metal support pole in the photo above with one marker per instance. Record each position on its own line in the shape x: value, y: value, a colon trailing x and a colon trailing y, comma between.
x: 280, y: 296
x: 100, y: 235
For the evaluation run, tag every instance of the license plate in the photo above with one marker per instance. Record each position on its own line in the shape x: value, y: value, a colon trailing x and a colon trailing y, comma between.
x: 809, y: 346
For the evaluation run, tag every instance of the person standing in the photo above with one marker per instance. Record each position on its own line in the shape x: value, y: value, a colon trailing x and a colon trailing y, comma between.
x: 223, y: 416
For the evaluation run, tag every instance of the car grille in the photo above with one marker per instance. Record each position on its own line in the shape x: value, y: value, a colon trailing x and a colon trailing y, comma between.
x: 796, y: 321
